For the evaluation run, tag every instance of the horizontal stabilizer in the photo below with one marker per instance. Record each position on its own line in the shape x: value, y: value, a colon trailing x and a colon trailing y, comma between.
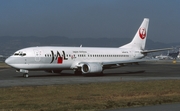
x: 155, y: 50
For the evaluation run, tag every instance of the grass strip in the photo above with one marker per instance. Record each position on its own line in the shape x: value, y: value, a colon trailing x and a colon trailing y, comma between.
x: 89, y: 97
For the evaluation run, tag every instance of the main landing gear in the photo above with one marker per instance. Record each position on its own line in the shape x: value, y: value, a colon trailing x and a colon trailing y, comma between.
x: 25, y: 75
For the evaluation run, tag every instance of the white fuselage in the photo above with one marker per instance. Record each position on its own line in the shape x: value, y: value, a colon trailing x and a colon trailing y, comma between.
x: 85, y: 60
x: 63, y: 58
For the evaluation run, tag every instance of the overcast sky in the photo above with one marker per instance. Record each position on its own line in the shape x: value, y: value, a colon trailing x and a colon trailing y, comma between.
x: 90, y: 18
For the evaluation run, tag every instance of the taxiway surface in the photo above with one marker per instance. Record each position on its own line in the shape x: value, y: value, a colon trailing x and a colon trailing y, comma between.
x: 142, y: 72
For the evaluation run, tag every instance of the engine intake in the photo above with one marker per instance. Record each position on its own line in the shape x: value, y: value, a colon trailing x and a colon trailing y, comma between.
x: 91, y: 68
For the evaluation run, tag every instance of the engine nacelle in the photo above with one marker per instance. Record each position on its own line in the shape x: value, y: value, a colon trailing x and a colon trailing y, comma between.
x: 91, y: 68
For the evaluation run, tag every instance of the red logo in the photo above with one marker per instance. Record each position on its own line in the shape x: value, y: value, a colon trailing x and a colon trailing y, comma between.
x: 60, y: 60
x: 142, y: 33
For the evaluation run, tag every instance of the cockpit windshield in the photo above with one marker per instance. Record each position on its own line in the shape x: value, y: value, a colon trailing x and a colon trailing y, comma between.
x: 19, y: 54
x: 16, y: 54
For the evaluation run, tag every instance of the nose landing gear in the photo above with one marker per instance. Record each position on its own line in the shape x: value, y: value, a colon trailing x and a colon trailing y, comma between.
x: 25, y: 75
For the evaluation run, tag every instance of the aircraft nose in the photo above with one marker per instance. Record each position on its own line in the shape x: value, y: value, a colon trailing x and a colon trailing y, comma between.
x: 7, y: 61
x: 11, y: 61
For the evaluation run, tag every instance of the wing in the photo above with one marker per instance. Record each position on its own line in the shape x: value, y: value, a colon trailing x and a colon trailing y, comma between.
x: 98, y: 67
x: 115, y: 64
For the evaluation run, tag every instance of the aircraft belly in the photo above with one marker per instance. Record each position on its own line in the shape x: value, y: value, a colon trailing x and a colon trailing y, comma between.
x: 64, y: 65
x: 54, y: 66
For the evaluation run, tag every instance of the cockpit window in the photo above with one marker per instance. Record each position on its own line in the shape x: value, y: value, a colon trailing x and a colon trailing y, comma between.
x: 16, y: 54
x: 19, y: 54
x: 24, y: 54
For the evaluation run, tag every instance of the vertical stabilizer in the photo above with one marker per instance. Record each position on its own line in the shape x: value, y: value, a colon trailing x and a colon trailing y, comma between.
x: 139, y: 40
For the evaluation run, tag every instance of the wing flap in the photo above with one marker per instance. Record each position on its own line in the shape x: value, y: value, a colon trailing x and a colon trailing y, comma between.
x: 124, y: 62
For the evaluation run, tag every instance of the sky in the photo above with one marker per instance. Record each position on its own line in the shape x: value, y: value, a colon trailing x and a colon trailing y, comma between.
x: 90, y: 18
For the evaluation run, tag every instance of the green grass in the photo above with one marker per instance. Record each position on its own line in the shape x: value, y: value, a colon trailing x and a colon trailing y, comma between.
x: 89, y: 97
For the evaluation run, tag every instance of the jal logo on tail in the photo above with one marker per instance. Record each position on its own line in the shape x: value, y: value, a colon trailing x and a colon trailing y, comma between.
x: 142, y: 33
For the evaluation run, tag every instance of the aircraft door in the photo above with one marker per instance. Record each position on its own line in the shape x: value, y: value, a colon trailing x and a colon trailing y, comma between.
x: 23, y: 55
x: 130, y: 53
x: 134, y: 54
x: 73, y: 56
x: 37, y: 55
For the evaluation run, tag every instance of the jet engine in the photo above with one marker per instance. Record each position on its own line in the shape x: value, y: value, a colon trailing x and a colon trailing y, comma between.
x: 91, y: 68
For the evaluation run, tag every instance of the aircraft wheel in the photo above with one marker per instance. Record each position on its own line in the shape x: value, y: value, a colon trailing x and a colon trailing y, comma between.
x: 25, y: 75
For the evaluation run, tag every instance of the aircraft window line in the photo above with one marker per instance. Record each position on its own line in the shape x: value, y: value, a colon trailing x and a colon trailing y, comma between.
x: 49, y: 55
x: 97, y: 55
x: 79, y: 55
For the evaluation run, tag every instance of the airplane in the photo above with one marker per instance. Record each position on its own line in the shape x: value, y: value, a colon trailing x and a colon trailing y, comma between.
x: 162, y: 57
x: 173, y: 55
x: 83, y: 60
